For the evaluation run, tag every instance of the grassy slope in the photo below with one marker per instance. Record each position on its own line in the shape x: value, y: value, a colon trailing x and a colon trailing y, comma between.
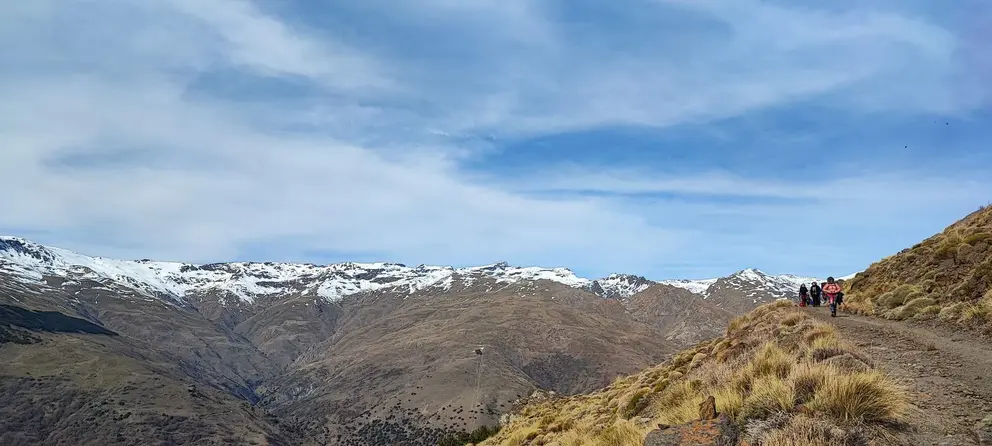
x: 784, y: 377
x: 946, y: 277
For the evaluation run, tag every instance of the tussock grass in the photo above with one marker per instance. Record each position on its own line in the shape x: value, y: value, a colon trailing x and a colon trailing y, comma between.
x: 773, y: 369
x: 808, y: 378
x: 912, y: 307
x: 792, y: 320
x: 951, y: 312
x: 928, y: 312
x: 805, y: 431
x: 621, y: 433
x: 769, y: 394
x: 864, y: 396
x: 974, y: 314
x: 978, y: 237
x: 770, y: 360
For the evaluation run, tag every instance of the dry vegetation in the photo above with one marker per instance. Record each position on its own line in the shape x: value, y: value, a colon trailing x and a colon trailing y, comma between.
x: 947, y: 278
x: 785, y: 378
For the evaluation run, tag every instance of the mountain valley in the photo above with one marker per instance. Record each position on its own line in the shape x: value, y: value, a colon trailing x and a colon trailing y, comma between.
x: 338, y: 354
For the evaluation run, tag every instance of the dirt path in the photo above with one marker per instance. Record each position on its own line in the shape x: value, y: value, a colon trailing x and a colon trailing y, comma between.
x: 949, y: 373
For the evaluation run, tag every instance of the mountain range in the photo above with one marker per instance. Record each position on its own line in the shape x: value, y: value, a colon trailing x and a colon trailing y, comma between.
x: 348, y: 353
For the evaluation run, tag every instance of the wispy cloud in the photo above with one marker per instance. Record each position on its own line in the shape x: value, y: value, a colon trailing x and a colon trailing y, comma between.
x: 203, y: 130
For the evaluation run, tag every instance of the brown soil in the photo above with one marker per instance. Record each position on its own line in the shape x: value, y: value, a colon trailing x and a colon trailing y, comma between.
x: 948, y: 373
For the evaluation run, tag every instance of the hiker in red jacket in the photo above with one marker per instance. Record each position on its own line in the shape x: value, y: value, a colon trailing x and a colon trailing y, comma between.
x: 832, y: 291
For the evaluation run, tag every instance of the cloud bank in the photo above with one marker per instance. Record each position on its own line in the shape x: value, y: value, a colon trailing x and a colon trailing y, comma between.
x: 214, y: 130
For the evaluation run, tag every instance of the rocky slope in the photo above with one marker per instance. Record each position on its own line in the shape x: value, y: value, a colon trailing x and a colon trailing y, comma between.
x: 947, y: 277
x: 370, y: 353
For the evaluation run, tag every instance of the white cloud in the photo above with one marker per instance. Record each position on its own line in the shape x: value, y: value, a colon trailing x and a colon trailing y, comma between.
x: 103, y: 136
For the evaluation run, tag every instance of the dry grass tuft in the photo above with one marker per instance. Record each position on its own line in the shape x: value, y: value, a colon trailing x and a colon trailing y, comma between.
x: 805, y: 431
x: 770, y: 360
x: 912, y: 307
x: 792, y: 320
x: 769, y: 394
x: 951, y: 312
x: 809, y: 378
x: 865, y: 396
x: 974, y: 314
x: 621, y: 433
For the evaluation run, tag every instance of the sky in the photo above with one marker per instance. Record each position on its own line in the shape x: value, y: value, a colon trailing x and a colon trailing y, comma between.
x: 664, y: 138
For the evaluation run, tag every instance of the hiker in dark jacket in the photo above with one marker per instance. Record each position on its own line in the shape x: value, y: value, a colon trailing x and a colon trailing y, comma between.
x: 803, y: 295
x: 814, y: 293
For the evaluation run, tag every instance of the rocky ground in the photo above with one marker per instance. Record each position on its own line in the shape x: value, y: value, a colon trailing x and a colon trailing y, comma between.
x: 949, y: 373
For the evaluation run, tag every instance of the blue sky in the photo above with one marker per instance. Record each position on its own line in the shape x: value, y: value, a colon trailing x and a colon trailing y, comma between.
x: 667, y: 138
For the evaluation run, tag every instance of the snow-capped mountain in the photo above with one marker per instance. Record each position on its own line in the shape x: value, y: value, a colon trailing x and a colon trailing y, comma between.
x: 695, y: 286
x: 619, y: 286
x: 249, y: 281
x: 756, y: 281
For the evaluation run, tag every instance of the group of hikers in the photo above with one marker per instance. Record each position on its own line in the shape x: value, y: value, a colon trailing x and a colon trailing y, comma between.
x: 816, y: 294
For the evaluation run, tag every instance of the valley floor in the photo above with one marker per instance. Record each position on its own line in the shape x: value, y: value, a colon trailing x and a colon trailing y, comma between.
x: 949, y: 373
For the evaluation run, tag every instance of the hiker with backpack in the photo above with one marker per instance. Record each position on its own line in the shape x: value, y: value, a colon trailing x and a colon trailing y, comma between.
x: 832, y: 291
x: 814, y: 292
x: 803, y: 295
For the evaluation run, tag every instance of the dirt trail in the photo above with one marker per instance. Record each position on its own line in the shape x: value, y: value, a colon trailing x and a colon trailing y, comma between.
x: 949, y: 373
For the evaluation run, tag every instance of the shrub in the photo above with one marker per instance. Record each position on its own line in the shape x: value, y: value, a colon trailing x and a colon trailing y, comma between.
x: 865, y: 396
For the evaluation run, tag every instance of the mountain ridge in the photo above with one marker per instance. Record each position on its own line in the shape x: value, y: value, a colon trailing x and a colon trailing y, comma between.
x: 250, y: 280
x: 358, y: 353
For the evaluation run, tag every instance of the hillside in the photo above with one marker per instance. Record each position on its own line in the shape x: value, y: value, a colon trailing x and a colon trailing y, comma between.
x: 352, y: 353
x: 779, y: 377
x: 947, y: 278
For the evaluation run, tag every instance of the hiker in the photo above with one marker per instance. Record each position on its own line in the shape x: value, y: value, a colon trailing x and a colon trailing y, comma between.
x: 834, y: 295
x: 803, y: 295
x: 814, y: 293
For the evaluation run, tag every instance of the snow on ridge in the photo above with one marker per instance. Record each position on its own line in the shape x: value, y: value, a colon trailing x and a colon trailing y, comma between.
x: 249, y: 280
x: 693, y: 286
x: 621, y: 286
